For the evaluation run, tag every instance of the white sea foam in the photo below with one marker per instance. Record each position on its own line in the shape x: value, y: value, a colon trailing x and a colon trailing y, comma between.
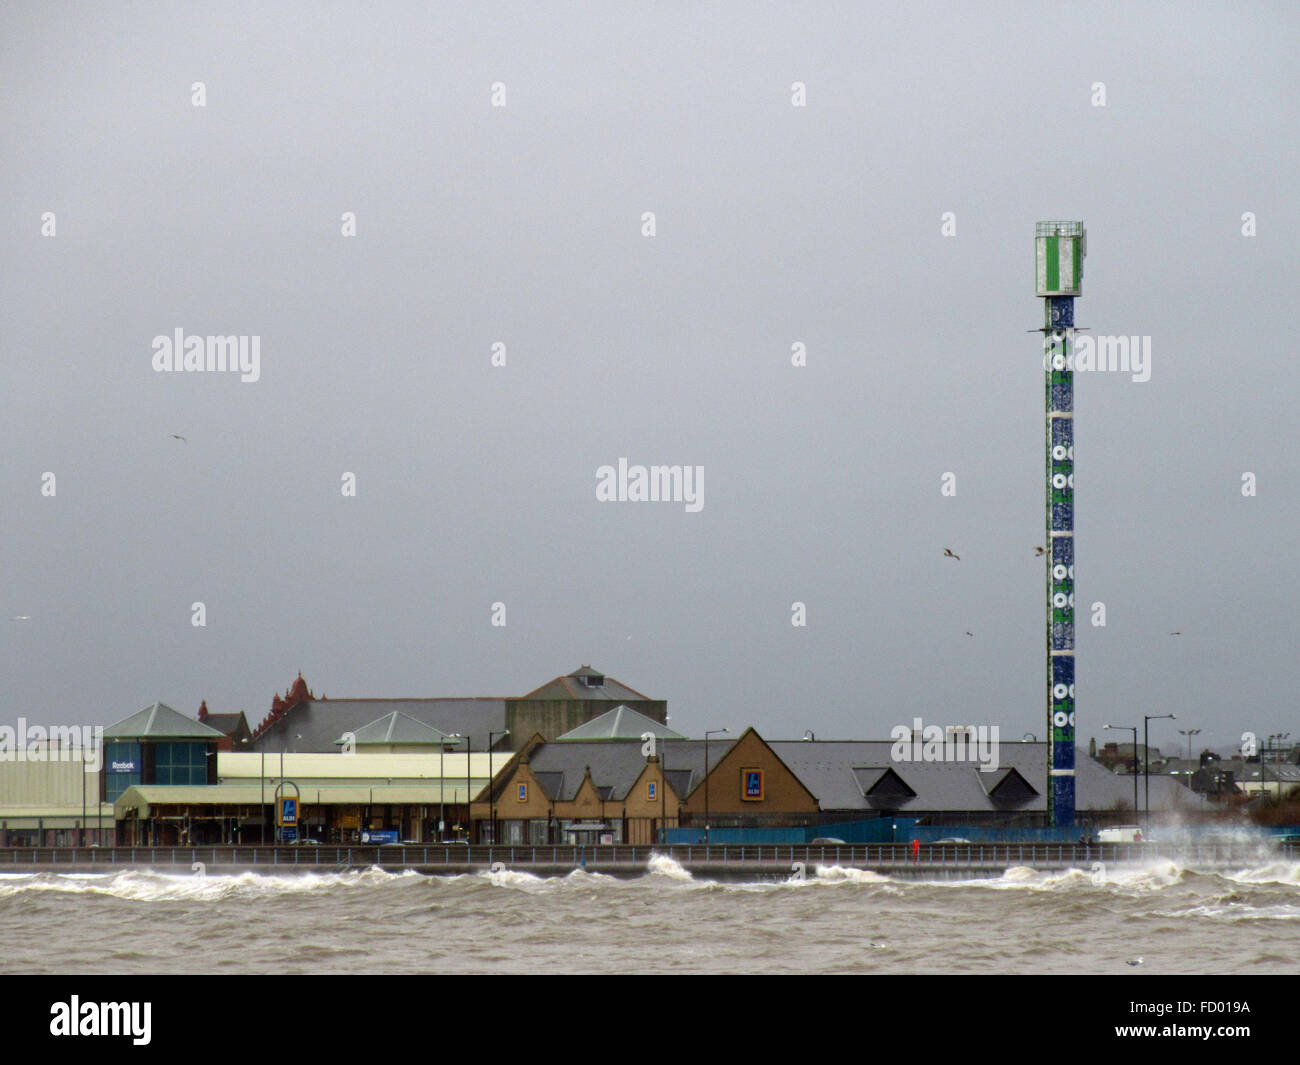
x: 1278, y: 872
x: 147, y: 886
x: 666, y: 866
x: 841, y: 874
x: 513, y: 878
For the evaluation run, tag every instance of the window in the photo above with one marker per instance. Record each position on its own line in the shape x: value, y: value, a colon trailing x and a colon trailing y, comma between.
x: 180, y: 763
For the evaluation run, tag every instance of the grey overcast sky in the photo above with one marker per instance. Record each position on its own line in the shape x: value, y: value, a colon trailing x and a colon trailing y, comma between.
x: 774, y: 225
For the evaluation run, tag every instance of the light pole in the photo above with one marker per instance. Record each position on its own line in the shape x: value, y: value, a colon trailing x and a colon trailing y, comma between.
x: 1274, y: 741
x: 1146, y: 758
x: 1189, y: 733
x: 469, y: 784
x: 1281, y: 738
x: 663, y: 778
x: 492, y: 793
x: 707, y: 734
x: 442, y: 783
x: 1133, y: 729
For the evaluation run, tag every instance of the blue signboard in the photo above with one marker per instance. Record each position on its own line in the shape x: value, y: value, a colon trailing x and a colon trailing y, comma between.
x: 289, y: 810
x: 375, y: 836
x: 289, y: 835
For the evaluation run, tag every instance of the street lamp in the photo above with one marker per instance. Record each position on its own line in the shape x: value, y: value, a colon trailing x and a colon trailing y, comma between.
x: 442, y: 782
x: 707, y: 734
x: 1146, y: 758
x: 1133, y: 729
x: 1281, y: 736
x: 469, y: 824
x: 262, y: 781
x: 1189, y: 733
x: 663, y: 778
x: 492, y: 794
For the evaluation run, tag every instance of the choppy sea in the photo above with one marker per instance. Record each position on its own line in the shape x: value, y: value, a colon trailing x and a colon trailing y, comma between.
x: 1161, y: 917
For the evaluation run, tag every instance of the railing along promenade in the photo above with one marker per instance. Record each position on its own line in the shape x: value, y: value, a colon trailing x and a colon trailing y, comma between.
x: 624, y: 859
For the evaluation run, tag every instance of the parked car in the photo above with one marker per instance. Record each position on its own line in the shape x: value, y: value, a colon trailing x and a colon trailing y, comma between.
x: 1120, y: 834
x: 828, y: 841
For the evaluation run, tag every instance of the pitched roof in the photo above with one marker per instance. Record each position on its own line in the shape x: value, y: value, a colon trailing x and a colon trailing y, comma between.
x: 160, y: 721
x: 315, y: 725
x: 850, y: 775
x: 399, y: 729
x: 618, y: 764
x: 226, y: 724
x: 621, y: 723
x: 576, y: 685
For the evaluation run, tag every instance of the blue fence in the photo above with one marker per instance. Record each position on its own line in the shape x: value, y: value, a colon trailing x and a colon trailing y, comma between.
x: 875, y: 830
x: 904, y: 830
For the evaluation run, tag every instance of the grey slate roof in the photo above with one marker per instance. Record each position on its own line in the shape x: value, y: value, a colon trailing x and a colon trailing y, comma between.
x: 560, y: 767
x: 160, y: 721
x: 399, y: 728
x: 226, y: 724
x: 836, y: 771
x: 322, y: 721
x: 571, y: 686
x: 621, y: 723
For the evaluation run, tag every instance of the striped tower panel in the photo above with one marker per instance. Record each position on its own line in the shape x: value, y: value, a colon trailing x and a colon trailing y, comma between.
x: 1059, y: 347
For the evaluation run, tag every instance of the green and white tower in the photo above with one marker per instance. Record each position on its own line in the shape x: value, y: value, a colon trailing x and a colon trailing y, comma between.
x: 1059, y: 250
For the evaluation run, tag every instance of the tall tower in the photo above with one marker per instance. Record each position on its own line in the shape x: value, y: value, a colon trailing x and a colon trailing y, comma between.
x: 1059, y: 251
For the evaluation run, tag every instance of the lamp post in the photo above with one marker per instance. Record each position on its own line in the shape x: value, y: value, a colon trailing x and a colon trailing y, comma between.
x: 442, y: 783
x: 1133, y: 729
x: 1281, y: 738
x: 707, y: 734
x: 663, y: 778
x: 492, y: 793
x: 1146, y: 758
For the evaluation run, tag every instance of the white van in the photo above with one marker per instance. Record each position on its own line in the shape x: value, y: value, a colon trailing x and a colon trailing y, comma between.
x: 1120, y: 834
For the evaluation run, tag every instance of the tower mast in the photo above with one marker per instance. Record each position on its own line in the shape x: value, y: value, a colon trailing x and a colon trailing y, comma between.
x: 1059, y: 251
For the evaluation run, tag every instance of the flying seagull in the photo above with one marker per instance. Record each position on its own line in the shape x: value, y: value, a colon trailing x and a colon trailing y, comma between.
x: 947, y: 553
x: 970, y: 634
x: 180, y: 438
x: 22, y: 617
x: 1178, y: 633
x: 1039, y: 552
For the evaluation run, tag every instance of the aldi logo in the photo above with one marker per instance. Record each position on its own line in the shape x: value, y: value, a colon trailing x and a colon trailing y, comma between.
x: 751, y: 785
